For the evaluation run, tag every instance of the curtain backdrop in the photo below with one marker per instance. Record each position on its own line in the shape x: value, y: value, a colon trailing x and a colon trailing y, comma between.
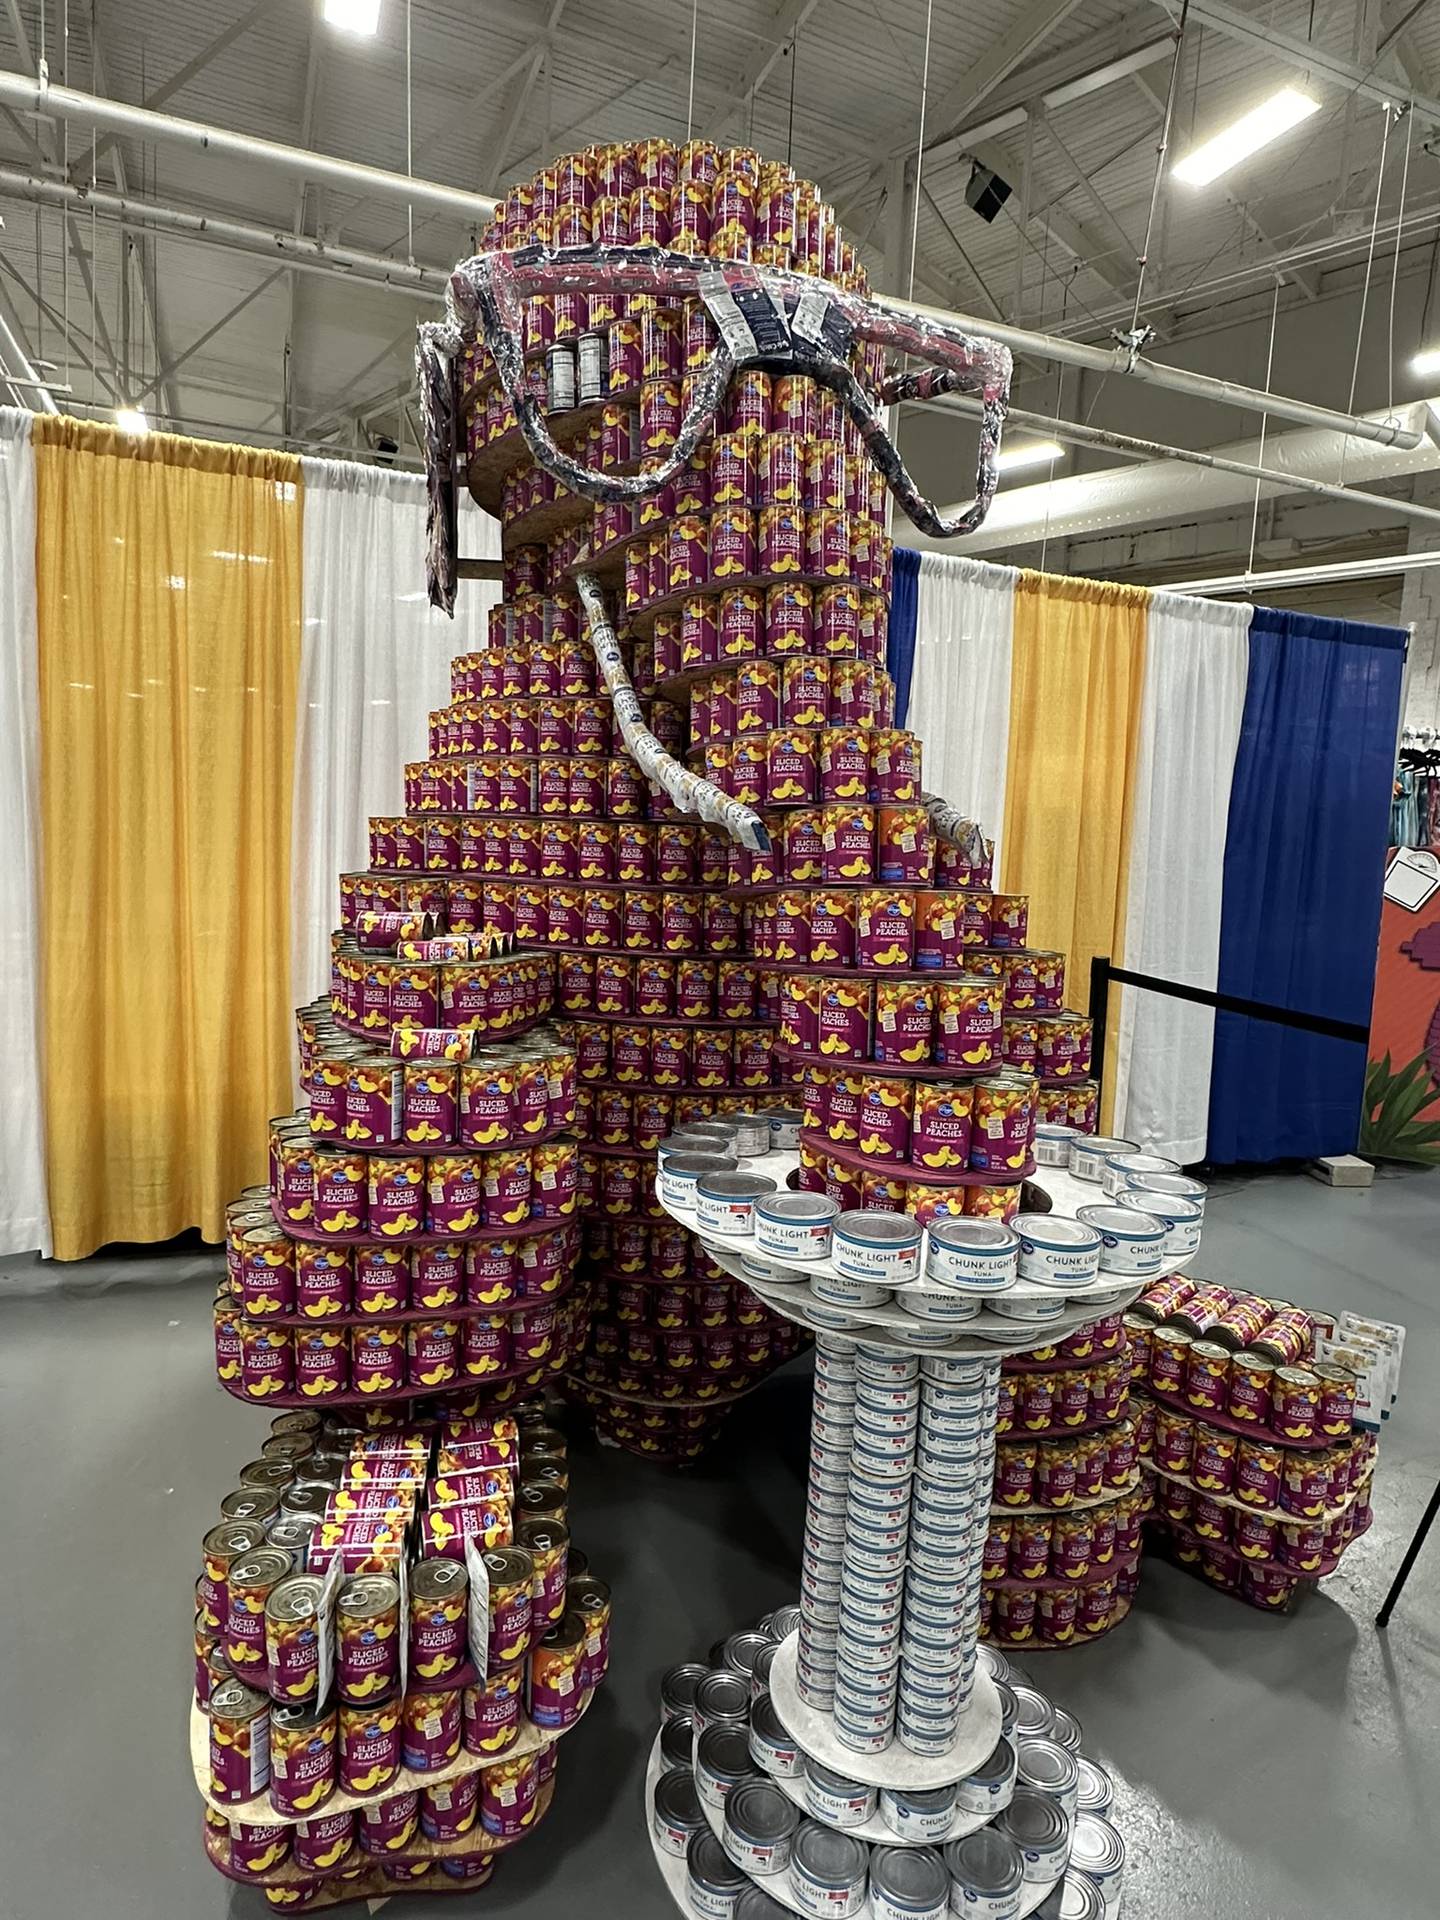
x: 168, y: 575
x: 960, y: 690
x: 24, y: 1211
x: 904, y: 614
x: 1304, y: 867
x: 374, y: 662
x: 1194, y: 694
x: 1078, y: 665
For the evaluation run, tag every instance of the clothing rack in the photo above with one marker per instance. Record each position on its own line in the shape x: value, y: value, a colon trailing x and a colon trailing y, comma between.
x: 1415, y: 803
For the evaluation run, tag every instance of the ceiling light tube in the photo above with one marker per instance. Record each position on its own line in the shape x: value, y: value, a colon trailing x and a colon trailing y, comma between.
x: 1427, y: 361
x: 1034, y: 453
x: 353, y: 16
x: 132, y: 420
x: 1247, y: 135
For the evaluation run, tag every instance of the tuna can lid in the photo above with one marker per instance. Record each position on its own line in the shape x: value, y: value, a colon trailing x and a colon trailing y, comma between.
x: 1181, y: 1186
x: 766, y: 1722
x: 828, y: 1857
x: 724, y: 1751
x: 1056, y: 1231
x: 697, y: 1164
x: 1122, y: 1223
x: 1065, y: 1728
x: 1033, y: 1820
x: 868, y: 1226
x: 1095, y: 1846
x: 1105, y: 1144
x: 742, y: 1649
x: 297, y: 1598
x: 710, y: 1866
x: 784, y: 1621
x: 1094, y: 1793
x: 999, y: 1766
x: 1046, y: 1766
x: 987, y: 1862
x: 1141, y: 1163
x: 764, y: 1660
x: 914, y: 1877
x: 676, y: 1800
x: 804, y: 1207
x: 976, y: 1236
x: 1171, y: 1208
x: 1080, y: 1899
x: 733, y: 1186
x: 760, y: 1813
x: 1009, y: 1705
x: 722, y: 1694
x: 677, y: 1740
x: 1034, y: 1716
x: 781, y: 1116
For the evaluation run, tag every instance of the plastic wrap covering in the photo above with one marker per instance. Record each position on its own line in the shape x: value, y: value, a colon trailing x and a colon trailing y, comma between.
x: 764, y: 316
x: 435, y: 349
x: 690, y: 793
x: 948, y: 823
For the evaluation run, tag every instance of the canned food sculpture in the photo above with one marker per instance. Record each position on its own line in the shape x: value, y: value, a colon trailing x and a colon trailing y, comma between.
x: 392, y: 1631
x: 1256, y: 1442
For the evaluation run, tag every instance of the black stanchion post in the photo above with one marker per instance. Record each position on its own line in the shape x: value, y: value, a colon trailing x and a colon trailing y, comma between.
x: 1412, y: 1553
x: 1099, y: 1014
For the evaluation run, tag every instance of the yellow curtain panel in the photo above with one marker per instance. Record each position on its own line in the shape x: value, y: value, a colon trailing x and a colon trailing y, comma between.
x: 169, y: 626
x: 1077, y: 670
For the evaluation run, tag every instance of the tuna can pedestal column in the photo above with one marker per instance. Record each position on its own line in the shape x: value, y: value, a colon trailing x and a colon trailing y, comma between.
x: 869, y: 1753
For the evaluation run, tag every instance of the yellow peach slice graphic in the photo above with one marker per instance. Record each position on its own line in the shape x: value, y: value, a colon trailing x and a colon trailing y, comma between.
x: 402, y: 1223
x: 976, y: 1056
x: 342, y: 1222
x: 463, y: 1222
x: 854, y: 870
x: 313, y: 1388
x: 913, y: 1055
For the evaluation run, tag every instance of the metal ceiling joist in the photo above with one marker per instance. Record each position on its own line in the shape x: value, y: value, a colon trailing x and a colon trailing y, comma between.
x: 204, y: 339
x: 789, y: 18
x: 304, y: 253
x: 496, y: 149
x: 1348, y: 75
x: 182, y: 77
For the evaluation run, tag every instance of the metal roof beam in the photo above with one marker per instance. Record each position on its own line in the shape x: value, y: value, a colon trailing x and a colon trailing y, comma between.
x: 204, y: 339
x: 1349, y: 75
x: 789, y: 18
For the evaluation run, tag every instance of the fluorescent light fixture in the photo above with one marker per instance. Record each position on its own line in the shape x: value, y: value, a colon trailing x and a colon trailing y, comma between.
x: 1035, y: 453
x: 1253, y: 130
x: 132, y: 420
x: 353, y: 16
x: 1426, y: 362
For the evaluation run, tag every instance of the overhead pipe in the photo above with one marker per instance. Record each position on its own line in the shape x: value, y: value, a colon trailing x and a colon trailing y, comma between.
x: 1378, y: 567
x: 297, y: 249
x: 1131, y: 447
x: 26, y: 95
x: 1175, y: 485
x: 1120, y: 359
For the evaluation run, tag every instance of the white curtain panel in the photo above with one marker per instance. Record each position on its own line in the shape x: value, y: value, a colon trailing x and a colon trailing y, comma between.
x: 1197, y: 662
x: 960, y: 683
x: 374, y: 661
x: 24, y: 1210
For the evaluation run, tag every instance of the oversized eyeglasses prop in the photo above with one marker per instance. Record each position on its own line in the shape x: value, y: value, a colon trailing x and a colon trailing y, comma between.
x: 766, y: 317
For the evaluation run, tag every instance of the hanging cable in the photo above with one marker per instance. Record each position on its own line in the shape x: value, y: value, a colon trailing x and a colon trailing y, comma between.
x: 694, y: 37
x: 793, y: 51
x: 920, y: 150
x: 409, y: 144
x: 1369, y: 256
x: 1161, y: 148
x: 1395, y: 266
x: 1264, y: 423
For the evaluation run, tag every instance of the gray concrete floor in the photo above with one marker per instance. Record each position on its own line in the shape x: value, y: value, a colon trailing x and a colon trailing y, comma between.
x: 1271, y: 1768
